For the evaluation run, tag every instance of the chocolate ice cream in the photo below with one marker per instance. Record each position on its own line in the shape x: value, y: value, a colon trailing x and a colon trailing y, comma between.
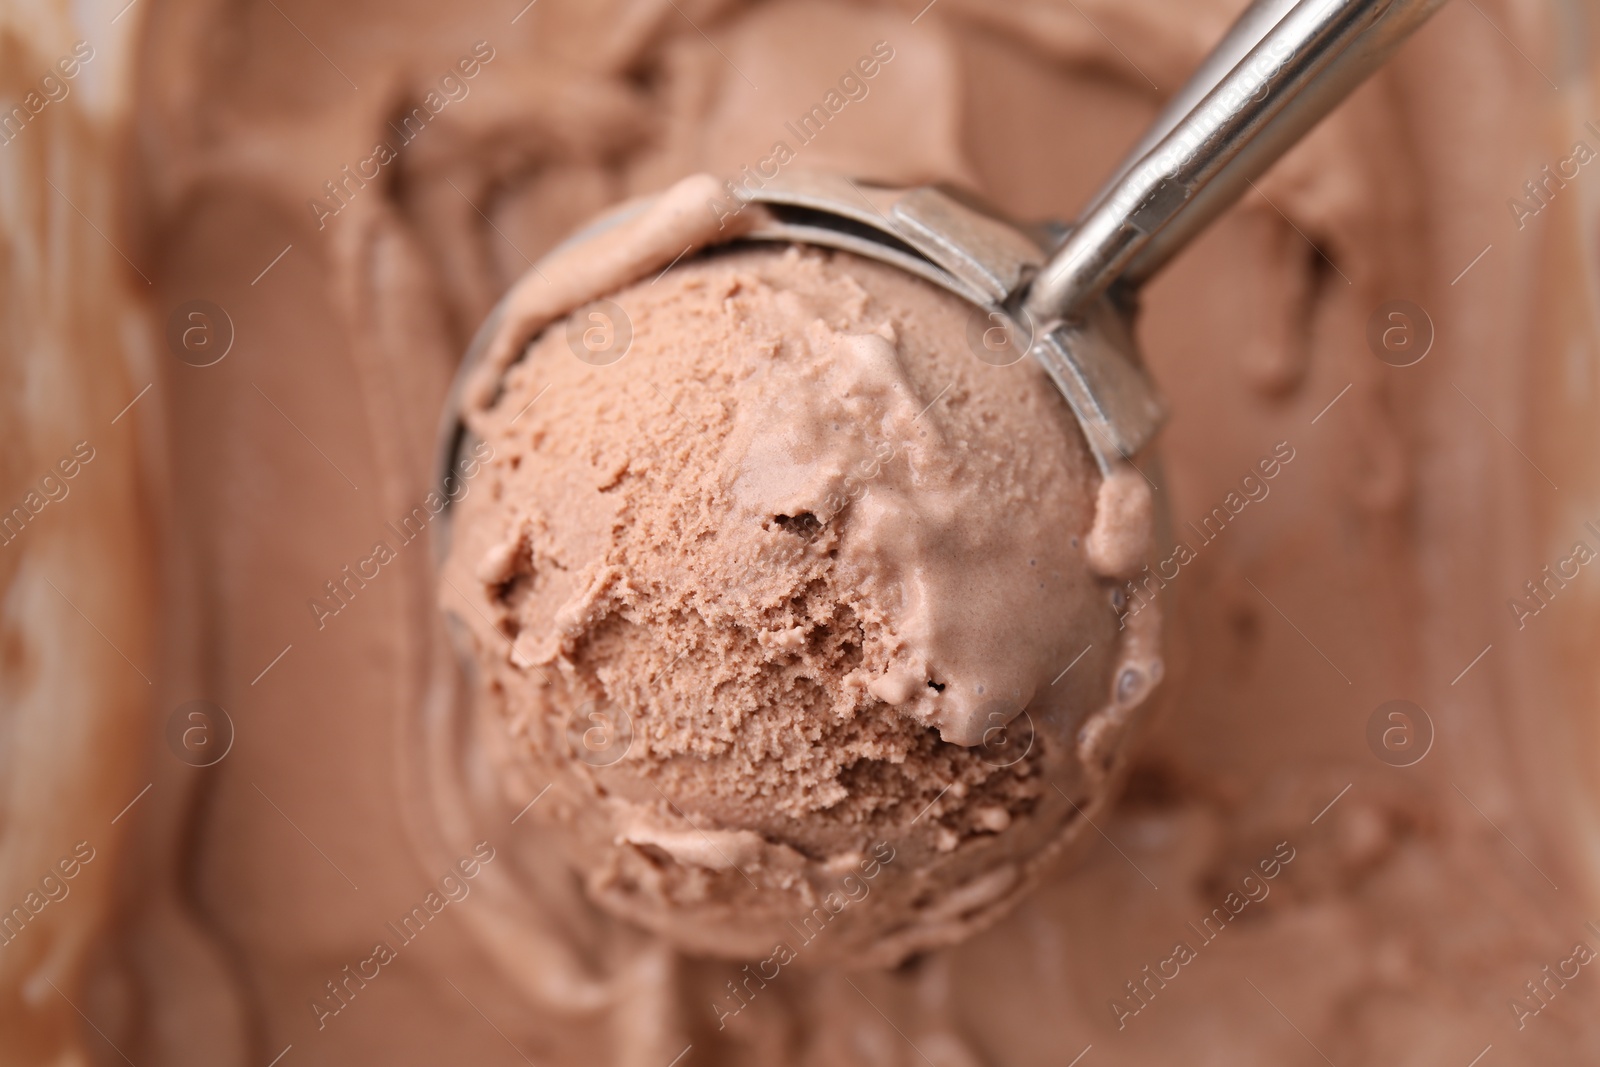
x: 1273, y: 887
x: 784, y: 578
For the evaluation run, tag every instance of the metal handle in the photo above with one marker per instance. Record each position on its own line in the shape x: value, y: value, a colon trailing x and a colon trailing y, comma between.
x: 1221, y: 131
x: 1338, y: 79
x: 1247, y: 30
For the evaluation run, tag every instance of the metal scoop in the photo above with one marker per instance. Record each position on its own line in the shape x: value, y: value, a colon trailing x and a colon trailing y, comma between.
x: 1066, y: 296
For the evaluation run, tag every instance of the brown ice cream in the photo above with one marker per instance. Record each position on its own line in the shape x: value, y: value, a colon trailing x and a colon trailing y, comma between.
x: 1275, y: 885
x: 790, y: 585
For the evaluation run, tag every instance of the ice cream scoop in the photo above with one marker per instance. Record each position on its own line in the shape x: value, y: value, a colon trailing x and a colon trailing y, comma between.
x: 800, y: 592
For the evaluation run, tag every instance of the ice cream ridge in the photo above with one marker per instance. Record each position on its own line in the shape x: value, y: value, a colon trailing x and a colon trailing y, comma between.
x: 804, y: 614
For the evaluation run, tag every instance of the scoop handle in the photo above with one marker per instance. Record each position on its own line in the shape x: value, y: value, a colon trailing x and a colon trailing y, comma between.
x: 1273, y: 76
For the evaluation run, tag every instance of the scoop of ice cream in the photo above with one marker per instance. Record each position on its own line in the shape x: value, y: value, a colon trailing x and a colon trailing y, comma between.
x: 789, y: 597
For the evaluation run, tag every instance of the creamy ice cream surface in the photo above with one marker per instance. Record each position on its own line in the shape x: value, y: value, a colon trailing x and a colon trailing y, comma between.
x: 779, y: 573
x: 1362, y: 832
